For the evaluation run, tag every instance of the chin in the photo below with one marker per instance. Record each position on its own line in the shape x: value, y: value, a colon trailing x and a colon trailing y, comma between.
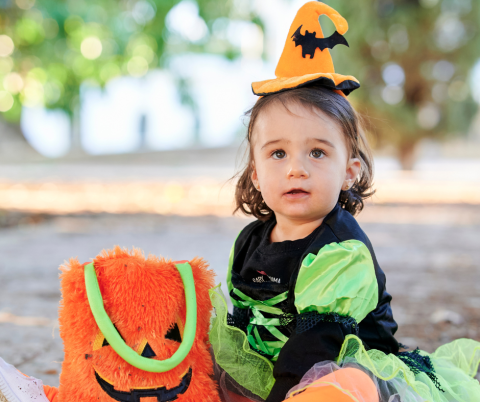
x: 305, y: 212
x: 302, y: 214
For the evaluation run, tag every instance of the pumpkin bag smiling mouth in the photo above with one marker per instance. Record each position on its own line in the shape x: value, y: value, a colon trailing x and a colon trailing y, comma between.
x: 161, y: 393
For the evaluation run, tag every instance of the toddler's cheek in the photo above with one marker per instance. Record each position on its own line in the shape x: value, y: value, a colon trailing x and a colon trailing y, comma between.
x: 270, y: 200
x: 269, y: 189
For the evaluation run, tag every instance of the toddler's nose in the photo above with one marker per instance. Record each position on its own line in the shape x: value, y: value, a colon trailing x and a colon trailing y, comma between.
x: 297, y: 170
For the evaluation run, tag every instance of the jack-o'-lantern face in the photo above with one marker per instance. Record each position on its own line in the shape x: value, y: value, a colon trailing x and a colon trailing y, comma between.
x: 145, y: 301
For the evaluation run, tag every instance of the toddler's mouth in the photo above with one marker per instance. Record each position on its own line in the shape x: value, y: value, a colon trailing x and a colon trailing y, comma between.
x: 296, y: 193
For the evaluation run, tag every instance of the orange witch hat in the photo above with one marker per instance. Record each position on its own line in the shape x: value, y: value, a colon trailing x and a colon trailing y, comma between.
x: 306, y: 57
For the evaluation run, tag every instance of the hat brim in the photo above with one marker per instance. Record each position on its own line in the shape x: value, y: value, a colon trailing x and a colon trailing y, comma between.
x: 344, y: 83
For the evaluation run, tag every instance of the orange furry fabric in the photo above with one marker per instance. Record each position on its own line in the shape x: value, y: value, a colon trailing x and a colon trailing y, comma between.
x: 51, y: 393
x: 143, y: 297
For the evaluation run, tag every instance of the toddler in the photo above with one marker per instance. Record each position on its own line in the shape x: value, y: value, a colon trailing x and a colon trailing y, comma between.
x: 304, y: 274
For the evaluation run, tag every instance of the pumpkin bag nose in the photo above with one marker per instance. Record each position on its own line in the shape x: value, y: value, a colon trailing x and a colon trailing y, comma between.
x: 148, y: 351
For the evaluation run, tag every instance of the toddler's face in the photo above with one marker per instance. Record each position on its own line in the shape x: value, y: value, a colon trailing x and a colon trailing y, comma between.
x: 301, y: 161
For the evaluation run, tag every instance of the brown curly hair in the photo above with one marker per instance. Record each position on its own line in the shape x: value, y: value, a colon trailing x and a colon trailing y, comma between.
x: 250, y: 201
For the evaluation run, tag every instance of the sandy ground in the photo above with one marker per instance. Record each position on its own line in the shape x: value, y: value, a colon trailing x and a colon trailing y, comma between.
x: 430, y: 255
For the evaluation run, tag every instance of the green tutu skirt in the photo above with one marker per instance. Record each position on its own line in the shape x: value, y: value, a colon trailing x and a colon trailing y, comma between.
x: 446, y: 375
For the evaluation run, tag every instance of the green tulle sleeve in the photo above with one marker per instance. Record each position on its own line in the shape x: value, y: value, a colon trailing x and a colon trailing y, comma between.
x: 339, y: 279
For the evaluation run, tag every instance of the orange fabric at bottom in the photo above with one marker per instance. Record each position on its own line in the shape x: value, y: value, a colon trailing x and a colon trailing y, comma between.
x: 352, y: 381
x: 51, y: 393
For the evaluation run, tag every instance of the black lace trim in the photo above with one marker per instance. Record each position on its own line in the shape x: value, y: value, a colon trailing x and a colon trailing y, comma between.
x: 305, y: 321
x: 288, y: 322
x: 420, y: 364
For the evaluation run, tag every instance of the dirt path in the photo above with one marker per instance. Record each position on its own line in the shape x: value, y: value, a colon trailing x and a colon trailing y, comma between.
x: 430, y: 255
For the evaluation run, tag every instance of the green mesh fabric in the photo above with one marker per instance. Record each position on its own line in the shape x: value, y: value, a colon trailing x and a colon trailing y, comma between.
x: 233, y: 353
x: 455, y: 364
x: 463, y: 353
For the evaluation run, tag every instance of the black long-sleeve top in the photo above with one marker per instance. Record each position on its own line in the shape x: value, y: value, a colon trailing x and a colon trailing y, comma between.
x: 262, y: 270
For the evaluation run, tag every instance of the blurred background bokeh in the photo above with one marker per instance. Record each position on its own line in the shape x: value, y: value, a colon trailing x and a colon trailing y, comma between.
x: 121, y: 123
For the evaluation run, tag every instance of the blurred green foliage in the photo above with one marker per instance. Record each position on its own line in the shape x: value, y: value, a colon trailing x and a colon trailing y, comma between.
x: 60, y: 44
x: 413, y: 59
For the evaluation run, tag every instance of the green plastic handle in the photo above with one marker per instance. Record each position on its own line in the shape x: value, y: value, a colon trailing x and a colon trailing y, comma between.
x: 118, y: 344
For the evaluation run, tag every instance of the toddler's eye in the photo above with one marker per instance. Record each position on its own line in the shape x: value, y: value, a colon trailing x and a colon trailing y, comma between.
x: 317, y: 153
x: 278, y: 154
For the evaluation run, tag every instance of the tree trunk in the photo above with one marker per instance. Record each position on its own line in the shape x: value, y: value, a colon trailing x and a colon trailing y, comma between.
x: 406, y: 153
x: 76, y: 149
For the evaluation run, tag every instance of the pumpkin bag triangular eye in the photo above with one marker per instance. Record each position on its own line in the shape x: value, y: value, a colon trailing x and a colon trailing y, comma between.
x: 174, y: 334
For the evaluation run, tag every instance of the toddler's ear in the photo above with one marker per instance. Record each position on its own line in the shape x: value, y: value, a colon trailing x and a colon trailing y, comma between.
x: 254, y: 175
x: 353, y: 169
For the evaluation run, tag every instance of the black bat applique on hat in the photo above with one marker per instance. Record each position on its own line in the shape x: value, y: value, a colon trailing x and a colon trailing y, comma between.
x: 310, y: 43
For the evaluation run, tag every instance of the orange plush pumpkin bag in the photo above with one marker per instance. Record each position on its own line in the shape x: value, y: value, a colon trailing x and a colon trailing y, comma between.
x: 146, y: 301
